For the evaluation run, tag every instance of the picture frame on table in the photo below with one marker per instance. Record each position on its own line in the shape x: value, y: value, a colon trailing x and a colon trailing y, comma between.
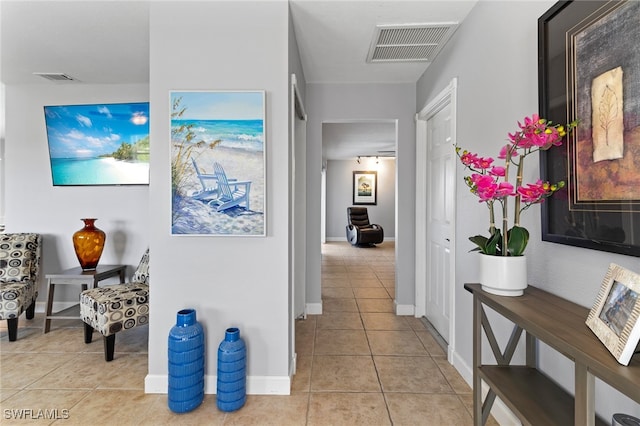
x: 589, y: 70
x: 365, y: 188
x: 615, y: 315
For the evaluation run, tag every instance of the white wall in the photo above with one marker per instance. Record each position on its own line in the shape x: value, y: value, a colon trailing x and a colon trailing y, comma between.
x: 33, y: 204
x: 340, y: 102
x: 241, y: 281
x: 340, y: 196
x: 494, y: 56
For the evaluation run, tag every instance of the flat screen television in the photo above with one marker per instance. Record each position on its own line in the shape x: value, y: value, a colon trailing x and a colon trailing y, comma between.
x: 98, y: 144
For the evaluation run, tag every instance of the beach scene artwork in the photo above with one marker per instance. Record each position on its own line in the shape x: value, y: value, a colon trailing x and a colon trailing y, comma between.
x: 99, y: 144
x: 218, y: 163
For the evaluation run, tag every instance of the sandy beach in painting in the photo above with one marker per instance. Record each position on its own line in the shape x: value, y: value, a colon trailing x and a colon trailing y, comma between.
x: 196, y: 217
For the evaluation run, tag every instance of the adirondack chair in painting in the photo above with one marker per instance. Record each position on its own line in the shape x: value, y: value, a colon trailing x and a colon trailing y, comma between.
x: 209, y: 184
x: 231, y: 192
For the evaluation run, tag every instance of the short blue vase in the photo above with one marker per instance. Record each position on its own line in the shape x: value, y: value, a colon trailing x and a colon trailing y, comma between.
x: 231, y: 392
x: 186, y: 363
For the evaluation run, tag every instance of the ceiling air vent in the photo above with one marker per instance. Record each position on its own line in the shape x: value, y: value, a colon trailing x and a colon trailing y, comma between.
x: 409, y: 42
x: 54, y: 76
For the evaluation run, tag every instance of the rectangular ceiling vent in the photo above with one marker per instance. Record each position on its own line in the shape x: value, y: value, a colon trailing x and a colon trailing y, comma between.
x: 54, y: 76
x: 409, y: 42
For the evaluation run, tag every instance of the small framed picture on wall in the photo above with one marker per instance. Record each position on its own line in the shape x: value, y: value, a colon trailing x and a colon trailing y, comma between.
x: 365, y: 187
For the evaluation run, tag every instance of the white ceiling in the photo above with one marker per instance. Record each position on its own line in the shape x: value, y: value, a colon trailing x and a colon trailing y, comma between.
x: 107, y: 42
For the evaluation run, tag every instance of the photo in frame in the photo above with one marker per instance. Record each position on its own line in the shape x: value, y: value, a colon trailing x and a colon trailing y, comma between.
x: 589, y: 70
x: 218, y: 163
x: 615, y: 315
x: 365, y: 187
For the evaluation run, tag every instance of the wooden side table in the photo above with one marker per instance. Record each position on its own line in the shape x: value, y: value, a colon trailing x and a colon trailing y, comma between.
x: 77, y: 276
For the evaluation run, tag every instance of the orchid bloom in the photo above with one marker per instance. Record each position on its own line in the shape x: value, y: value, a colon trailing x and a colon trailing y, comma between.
x: 490, y: 183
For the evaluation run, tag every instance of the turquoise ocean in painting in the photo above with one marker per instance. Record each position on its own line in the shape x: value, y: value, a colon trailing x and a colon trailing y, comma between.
x: 98, y: 171
x: 240, y: 134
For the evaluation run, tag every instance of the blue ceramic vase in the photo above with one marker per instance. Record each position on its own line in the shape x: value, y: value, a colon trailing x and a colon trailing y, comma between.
x: 231, y: 393
x: 186, y: 363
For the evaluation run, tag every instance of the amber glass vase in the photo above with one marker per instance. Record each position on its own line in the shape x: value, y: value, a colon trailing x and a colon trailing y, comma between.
x: 88, y: 243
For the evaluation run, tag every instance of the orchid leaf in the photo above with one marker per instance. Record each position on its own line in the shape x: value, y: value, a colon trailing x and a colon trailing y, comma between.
x: 517, y: 239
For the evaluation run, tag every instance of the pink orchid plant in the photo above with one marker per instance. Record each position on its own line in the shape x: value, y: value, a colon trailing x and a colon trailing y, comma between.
x: 490, y: 183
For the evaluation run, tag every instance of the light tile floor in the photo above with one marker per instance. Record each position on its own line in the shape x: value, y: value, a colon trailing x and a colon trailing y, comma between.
x: 358, y: 364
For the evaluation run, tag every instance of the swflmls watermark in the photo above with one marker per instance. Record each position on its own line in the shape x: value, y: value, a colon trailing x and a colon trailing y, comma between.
x: 35, y: 414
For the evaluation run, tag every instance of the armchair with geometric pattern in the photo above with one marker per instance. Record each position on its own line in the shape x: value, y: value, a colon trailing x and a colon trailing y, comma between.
x: 113, y: 308
x: 20, y: 258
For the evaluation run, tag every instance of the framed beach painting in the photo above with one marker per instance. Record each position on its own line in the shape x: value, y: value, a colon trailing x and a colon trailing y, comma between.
x: 365, y: 187
x: 218, y: 163
x: 589, y: 70
x: 98, y: 144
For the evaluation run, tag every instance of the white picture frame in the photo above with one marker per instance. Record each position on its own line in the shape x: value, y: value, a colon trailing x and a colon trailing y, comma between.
x: 614, y: 317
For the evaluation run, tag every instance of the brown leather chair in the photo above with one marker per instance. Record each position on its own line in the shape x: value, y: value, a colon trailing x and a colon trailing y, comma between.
x: 359, y: 231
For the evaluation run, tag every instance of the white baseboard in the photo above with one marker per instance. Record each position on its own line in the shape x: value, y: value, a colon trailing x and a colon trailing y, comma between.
x: 499, y: 411
x: 314, y: 308
x: 256, y: 385
x: 406, y: 310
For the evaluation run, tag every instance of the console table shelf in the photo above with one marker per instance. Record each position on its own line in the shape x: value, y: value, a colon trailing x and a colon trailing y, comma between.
x: 531, y: 395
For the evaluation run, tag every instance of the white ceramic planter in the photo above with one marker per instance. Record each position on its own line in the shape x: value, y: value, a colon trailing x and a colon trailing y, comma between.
x: 503, y: 275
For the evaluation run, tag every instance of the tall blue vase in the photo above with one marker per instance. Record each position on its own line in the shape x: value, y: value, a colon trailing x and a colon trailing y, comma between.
x: 231, y: 392
x: 186, y: 363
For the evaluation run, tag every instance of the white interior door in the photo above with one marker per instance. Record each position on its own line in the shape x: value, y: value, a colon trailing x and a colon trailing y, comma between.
x: 435, y: 212
x: 440, y: 215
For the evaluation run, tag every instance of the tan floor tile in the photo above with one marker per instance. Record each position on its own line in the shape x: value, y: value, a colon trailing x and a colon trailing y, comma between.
x: 410, y: 374
x: 302, y: 378
x: 467, y: 400
x: 121, y: 406
x: 453, y: 377
x: 21, y: 370
x: 57, y: 340
x: 395, y: 343
x: 416, y: 323
x: 348, y: 409
x: 341, y: 342
x: 276, y: 410
x: 339, y: 305
x: 40, y: 406
x: 91, y: 371
x: 434, y: 349
x: 135, y: 340
x: 368, y: 279
x: 329, y: 283
x: 375, y: 305
x: 336, y: 276
x: 7, y: 393
x: 388, y: 284
x: 370, y: 293
x: 344, y: 374
x: 430, y: 409
x: 159, y: 413
x: 304, y: 343
x: 384, y: 321
x: 340, y: 321
x: 337, y: 292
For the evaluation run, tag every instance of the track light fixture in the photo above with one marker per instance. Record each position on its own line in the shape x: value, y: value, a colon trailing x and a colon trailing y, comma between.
x: 358, y: 160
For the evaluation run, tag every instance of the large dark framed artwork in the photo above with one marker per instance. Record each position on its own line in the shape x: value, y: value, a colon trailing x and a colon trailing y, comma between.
x: 589, y: 70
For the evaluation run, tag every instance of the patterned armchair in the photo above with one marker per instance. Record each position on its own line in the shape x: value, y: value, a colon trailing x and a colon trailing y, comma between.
x: 114, y: 308
x: 20, y: 257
